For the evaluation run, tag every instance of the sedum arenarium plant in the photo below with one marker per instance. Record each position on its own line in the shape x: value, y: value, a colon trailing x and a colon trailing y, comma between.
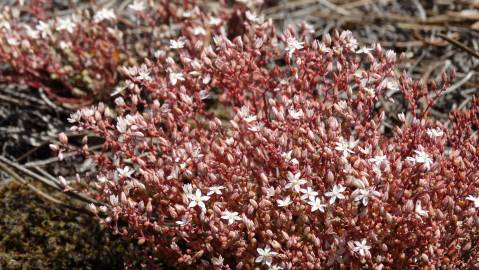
x: 75, y: 57
x: 273, y: 151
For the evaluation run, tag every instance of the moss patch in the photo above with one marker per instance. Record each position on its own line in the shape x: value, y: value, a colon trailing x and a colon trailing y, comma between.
x: 35, y: 234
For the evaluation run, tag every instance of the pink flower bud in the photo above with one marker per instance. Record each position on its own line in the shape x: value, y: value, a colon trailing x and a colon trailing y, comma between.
x: 62, y: 137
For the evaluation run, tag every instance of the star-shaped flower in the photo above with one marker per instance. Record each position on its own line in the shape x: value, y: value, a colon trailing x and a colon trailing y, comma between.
x: 418, y: 209
x: 292, y: 45
x: 364, y: 50
x: 421, y: 157
x: 295, y: 114
x: 245, y: 114
x: 284, y: 202
x: 474, y: 199
x: 230, y: 216
x: 288, y: 158
x: 125, y: 171
x: 66, y: 24
x: 175, y: 77
x: 336, y: 193
x: 435, y: 132
x: 316, y: 204
x: 265, y: 255
x: 379, y: 159
x: 345, y: 147
x: 215, y: 190
x: 362, y: 195
x: 361, y: 247
x: 198, y: 199
x: 137, y: 6
x: 295, y: 181
x: 44, y: 28
x: 104, y: 14
x: 217, y: 261
x: 177, y: 44
x: 308, y: 193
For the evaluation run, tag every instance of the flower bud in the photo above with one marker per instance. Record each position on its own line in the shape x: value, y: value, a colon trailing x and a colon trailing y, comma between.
x: 62, y: 137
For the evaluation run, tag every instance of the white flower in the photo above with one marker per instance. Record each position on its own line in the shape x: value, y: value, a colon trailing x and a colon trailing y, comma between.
x: 182, y: 222
x: 215, y: 190
x: 295, y: 114
x: 295, y: 181
x: 362, y: 195
x: 198, y: 199
x: 66, y: 24
x: 113, y: 200
x: 392, y: 85
x: 308, y: 193
x: 258, y: 43
x: 345, y: 146
x: 175, y: 77
x: 365, y: 150
x: 361, y: 247
x: 473, y: 199
x: 287, y: 157
x: 230, y: 216
x: 12, y: 41
x: 122, y: 124
x: 418, y: 209
x: 5, y: 24
x: 285, y: 202
x: 204, y: 94
x: 186, y: 99
x: 390, y: 55
x: 364, y: 50
x: 379, y: 159
x: 349, y: 40
x: 188, y: 190
x: 125, y: 172
x: 247, y: 117
x: 336, y: 193
x: 275, y: 267
x: 434, y: 132
x: 137, y: 6
x: 270, y: 192
x: 88, y: 112
x: 254, y: 17
x: 369, y: 91
x: 322, y: 48
x: 33, y: 34
x: 65, y: 45
x: 292, y: 44
x: 217, y: 261
x: 256, y: 128
x: 316, y: 204
x: 214, y: 21
x: 143, y: 73
x: 230, y: 141
x: 421, y: 157
x: 198, y: 31
x: 265, y: 256
x: 104, y: 14
x: 342, y: 105
x: 44, y: 28
x: 158, y: 54
x: 102, y: 178
x: 177, y: 44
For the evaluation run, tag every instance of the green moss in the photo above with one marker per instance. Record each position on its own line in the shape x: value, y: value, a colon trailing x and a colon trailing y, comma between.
x: 35, y: 234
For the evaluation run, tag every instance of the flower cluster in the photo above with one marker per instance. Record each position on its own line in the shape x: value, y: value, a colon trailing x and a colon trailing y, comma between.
x: 271, y: 151
x: 75, y: 58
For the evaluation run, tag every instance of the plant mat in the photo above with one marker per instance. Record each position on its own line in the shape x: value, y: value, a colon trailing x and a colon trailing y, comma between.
x: 435, y: 35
